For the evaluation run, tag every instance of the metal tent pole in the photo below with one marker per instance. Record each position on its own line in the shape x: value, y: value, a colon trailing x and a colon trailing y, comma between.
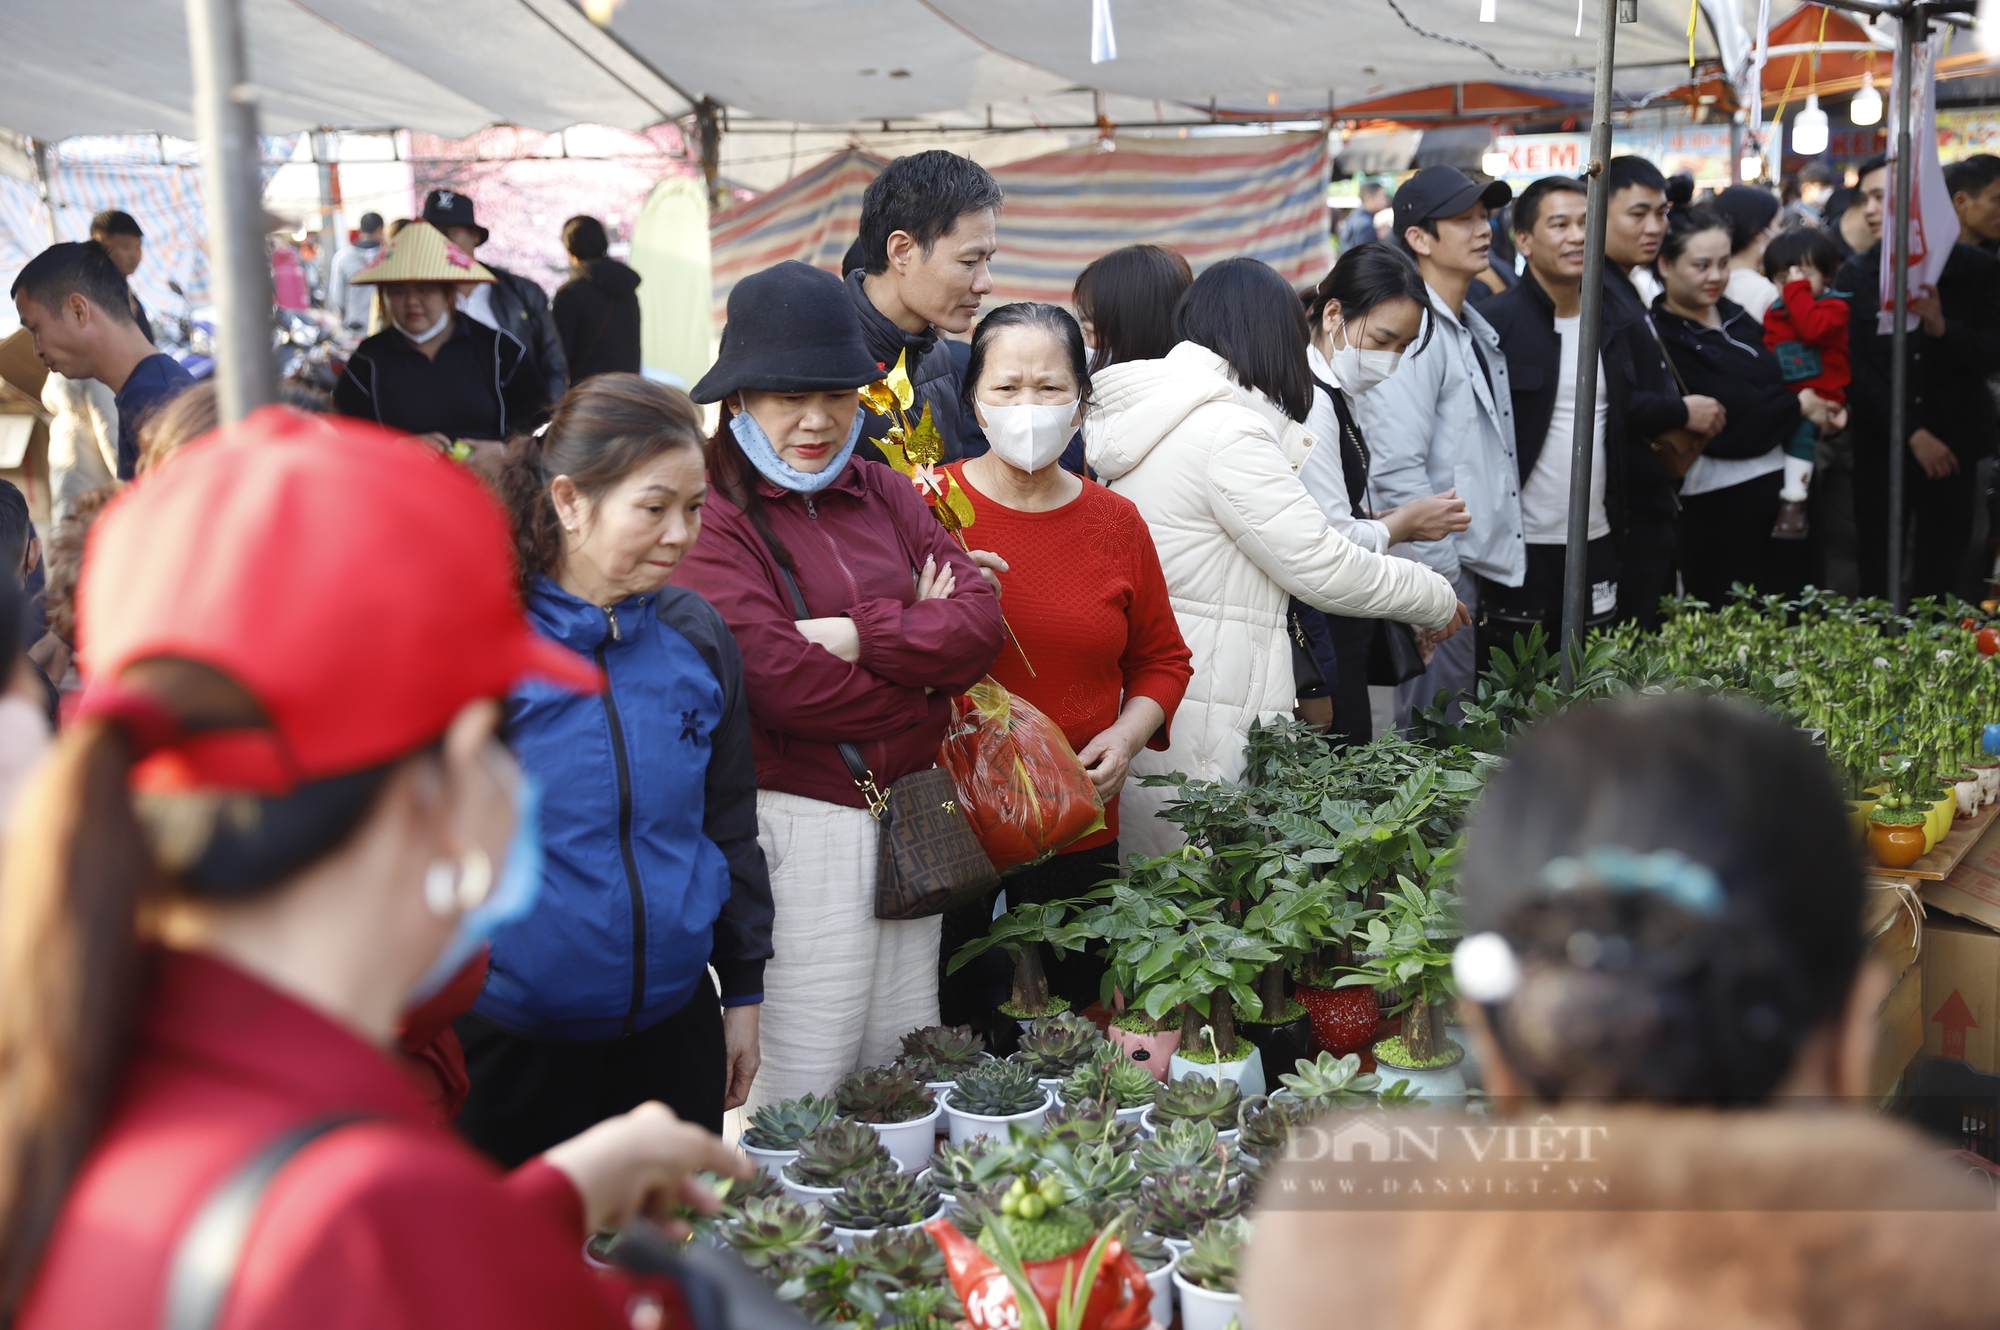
x: 45, y: 182
x: 1899, y: 336
x: 323, y: 142
x: 1576, y: 559
x: 225, y: 117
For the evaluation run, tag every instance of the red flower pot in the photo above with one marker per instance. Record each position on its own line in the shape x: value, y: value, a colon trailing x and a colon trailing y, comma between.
x: 1343, y: 1019
x: 1119, y: 1300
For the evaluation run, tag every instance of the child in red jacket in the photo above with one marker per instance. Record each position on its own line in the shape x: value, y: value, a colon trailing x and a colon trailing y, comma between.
x: 1806, y: 328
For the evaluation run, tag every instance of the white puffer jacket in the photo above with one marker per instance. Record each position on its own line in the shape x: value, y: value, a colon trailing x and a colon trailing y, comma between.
x: 1213, y: 468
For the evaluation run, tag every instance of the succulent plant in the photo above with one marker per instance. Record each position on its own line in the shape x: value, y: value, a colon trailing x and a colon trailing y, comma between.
x: 734, y: 1192
x: 778, y: 1235
x: 1195, y: 1096
x: 1088, y: 1123
x: 836, y: 1152
x: 781, y: 1126
x: 906, y: 1255
x: 1331, y: 1080
x: 882, y: 1198
x: 1058, y: 1045
x: 996, y: 1090
x: 884, y: 1095
x: 954, y: 1167
x: 1267, y: 1125
x: 1177, y: 1203
x: 841, y: 1291
x: 940, y: 1052
x: 1113, y: 1080
x: 1402, y: 1094
x: 973, y: 1210
x: 1188, y: 1143
x: 1094, y: 1173
x: 1211, y: 1260
x: 1149, y: 1250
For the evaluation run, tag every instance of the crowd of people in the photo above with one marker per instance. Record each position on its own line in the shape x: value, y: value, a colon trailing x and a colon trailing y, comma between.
x: 545, y: 753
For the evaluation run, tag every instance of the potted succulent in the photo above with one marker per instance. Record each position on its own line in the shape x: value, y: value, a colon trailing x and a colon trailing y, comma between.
x: 1187, y: 1143
x: 1329, y: 1082
x: 1176, y: 1204
x: 779, y: 1236
x: 1044, y: 1263
x: 771, y: 1137
x: 1096, y: 1173
x: 1205, y: 1278
x: 903, y: 1112
x: 956, y: 1171
x: 1265, y: 1126
x: 990, y: 1098
x: 1151, y: 1254
x: 840, y: 1150
x: 937, y: 1053
x: 906, y: 1256
x: 1090, y: 1122
x: 1113, y: 1081
x: 1055, y: 1046
x: 1199, y: 1098
x: 882, y: 1198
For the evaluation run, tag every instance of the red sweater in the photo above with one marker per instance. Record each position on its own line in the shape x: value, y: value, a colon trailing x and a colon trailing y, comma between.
x: 389, y: 1224
x: 1818, y: 325
x: 1085, y: 595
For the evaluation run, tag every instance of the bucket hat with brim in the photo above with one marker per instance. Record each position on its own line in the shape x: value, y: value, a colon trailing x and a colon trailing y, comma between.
x: 420, y: 253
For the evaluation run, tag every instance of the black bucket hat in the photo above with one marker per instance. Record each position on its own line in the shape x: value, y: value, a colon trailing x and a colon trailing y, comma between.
x: 792, y: 329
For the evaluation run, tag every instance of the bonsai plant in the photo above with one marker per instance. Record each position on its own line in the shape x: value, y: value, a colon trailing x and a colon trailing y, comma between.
x: 1177, y: 1203
x: 939, y: 1052
x: 1199, y: 1098
x: 772, y: 1135
x: 1207, y: 1274
x: 1404, y: 939
x: 779, y: 1235
x: 1022, y: 932
x: 840, y: 1150
x: 991, y: 1095
x: 1057, y: 1045
x: 898, y: 1106
x: 882, y: 1198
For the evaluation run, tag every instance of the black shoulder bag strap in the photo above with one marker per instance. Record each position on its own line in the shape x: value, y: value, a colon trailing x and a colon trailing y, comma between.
x: 857, y: 766
x: 205, y: 1263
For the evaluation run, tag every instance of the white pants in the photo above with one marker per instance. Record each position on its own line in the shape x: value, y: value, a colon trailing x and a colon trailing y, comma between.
x: 844, y: 986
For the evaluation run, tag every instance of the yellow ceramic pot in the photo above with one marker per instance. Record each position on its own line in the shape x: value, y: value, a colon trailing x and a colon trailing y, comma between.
x: 1942, y: 812
x: 1857, y: 818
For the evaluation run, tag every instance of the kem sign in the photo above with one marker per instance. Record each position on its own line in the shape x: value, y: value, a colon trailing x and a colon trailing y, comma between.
x: 1532, y: 156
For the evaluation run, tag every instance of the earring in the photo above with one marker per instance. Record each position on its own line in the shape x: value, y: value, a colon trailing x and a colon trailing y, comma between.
x: 475, y: 879
x: 441, y: 888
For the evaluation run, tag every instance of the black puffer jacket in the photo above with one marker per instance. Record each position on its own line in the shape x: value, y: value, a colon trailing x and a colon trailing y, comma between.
x: 597, y: 318
x: 1732, y: 365
x: 521, y: 308
x: 928, y: 362
x: 1947, y: 382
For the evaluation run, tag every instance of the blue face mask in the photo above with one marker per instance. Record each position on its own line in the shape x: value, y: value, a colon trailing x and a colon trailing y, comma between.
x: 763, y: 455
x: 513, y: 894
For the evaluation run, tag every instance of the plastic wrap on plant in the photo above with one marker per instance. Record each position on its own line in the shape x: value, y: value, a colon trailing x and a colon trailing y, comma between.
x: 1018, y: 779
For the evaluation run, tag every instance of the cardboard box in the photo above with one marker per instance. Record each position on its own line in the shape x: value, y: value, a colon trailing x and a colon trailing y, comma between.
x: 1961, y: 990
x: 1973, y: 889
x: 1899, y: 1032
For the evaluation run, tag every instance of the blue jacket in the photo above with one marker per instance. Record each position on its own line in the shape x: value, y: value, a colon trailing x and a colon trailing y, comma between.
x: 649, y: 825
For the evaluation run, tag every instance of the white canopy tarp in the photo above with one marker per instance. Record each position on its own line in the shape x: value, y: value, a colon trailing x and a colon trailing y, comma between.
x: 70, y: 67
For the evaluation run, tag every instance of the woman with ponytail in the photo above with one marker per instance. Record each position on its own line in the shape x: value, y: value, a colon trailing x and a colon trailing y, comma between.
x: 281, y: 818
x: 651, y: 870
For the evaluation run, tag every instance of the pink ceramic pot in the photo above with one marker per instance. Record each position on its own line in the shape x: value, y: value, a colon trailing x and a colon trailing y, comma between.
x: 1151, y: 1051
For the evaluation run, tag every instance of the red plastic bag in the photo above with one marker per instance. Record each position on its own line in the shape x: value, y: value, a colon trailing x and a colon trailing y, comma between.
x: 1018, y: 779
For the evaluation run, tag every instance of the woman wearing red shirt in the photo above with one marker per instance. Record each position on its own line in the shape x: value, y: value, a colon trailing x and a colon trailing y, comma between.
x: 279, y: 817
x: 1082, y: 589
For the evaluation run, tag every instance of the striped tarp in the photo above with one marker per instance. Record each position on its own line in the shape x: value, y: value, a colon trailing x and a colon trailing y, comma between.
x: 1209, y: 198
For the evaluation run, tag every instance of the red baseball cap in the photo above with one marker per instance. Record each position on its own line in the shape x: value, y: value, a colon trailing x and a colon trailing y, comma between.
x: 354, y: 581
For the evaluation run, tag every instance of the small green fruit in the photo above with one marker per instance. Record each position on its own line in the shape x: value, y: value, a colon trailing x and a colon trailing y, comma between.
x: 1052, y: 1192
x: 1010, y: 1204
x: 1032, y: 1206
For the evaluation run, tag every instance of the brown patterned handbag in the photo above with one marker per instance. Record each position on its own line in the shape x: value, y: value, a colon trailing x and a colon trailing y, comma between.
x: 928, y: 860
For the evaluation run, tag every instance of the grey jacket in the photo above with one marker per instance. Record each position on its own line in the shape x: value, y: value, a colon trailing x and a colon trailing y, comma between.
x: 346, y: 300
x: 1437, y: 424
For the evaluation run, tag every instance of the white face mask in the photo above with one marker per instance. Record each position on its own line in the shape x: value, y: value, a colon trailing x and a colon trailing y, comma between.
x: 437, y: 326
x: 1359, y: 370
x: 1029, y: 437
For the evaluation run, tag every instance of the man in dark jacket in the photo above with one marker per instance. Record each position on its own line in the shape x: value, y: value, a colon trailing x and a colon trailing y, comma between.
x: 1648, y: 554
x: 511, y: 303
x: 597, y: 309
x: 1947, y: 411
x: 1539, y: 320
x: 927, y: 231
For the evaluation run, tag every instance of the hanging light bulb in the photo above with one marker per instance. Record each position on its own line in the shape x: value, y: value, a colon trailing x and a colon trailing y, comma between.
x: 1809, y: 129
x: 1751, y: 167
x: 1494, y: 164
x: 1866, y: 108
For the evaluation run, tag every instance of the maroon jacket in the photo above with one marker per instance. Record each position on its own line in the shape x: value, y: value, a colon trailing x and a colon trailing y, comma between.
x: 855, y: 546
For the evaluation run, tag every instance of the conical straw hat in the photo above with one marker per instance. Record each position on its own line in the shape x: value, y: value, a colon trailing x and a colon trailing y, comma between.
x: 420, y: 253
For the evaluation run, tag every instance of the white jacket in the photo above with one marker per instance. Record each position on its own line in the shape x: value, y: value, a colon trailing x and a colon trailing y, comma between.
x: 1213, y: 468
x: 83, y: 441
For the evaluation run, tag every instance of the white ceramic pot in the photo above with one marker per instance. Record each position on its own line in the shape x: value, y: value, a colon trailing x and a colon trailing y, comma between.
x: 910, y: 1143
x: 1053, y: 1084
x: 769, y: 1160
x: 843, y: 1238
x: 1137, y: 1115
x: 1227, y: 1135
x: 1247, y: 1072
x: 1203, y: 1309
x: 970, y: 1126
x: 1161, y: 1281
x: 1178, y: 1246
x: 1968, y: 793
x: 1442, y: 1086
x: 1989, y: 781
x: 801, y: 1192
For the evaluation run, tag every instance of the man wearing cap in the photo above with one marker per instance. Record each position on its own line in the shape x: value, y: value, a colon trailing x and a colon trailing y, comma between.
x: 1445, y: 418
x: 510, y: 302
x: 349, y: 302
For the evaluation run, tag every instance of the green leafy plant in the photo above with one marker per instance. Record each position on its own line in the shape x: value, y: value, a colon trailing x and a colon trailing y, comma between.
x: 996, y: 1090
x: 840, y: 1150
x: 1022, y: 932
x: 884, y: 1095
x: 1212, y: 1259
x: 1057, y: 1045
x: 1176, y: 1204
x: 940, y: 1052
x: 1410, y: 940
x: 882, y: 1198
x: 842, y: 1291
x: 1328, y: 1081
x: 1196, y: 1096
x: 1400, y: 1095
x: 782, y: 1125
